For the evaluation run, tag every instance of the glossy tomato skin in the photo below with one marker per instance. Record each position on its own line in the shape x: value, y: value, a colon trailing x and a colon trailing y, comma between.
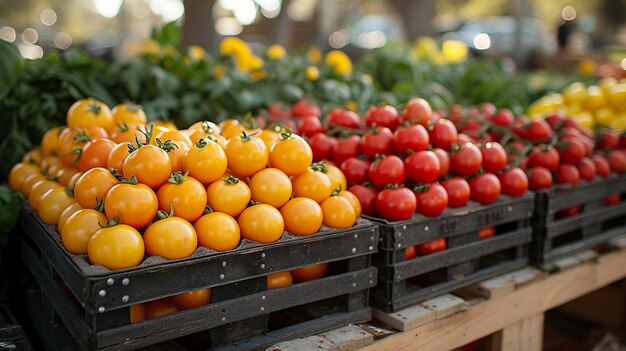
x: 503, y: 118
x: 383, y: 116
x: 18, y: 174
x: 431, y: 247
x: 442, y: 134
x: 309, y: 126
x: 229, y: 195
x: 355, y: 170
x: 67, y: 213
x: 367, y: 198
x: 485, y: 188
x: 302, y: 216
x: 271, y: 186
x: 191, y: 299
x: 89, y: 112
x: 79, y: 227
x: 603, y: 167
x: 303, y: 108
x: 417, y: 110
x: 116, y: 247
x: 607, y: 140
x: 149, y: 164
x: 338, y: 212
x: 544, y: 156
x: 539, y: 178
x: 171, y: 238
x: 612, y: 199
x: 217, y: 231
x: 322, y: 146
x: 538, y: 130
x: 53, y: 203
x: 261, y: 223
x: 377, y: 142
x: 466, y: 161
x: 422, y: 167
x: 389, y: 170
x: 514, y: 182
x: 205, y: 161
x: 95, y: 154
x: 246, y: 155
x: 410, y: 253
x: 494, y: 157
x: 567, y: 174
x: 292, y: 155
x: 279, y: 280
x: 314, y: 184
x: 444, y: 162
x: 188, y: 198
x: 486, y: 233
x: 396, y: 204
x: 414, y: 138
x: 587, y: 169
x: 343, y: 118
x: 354, y: 201
x: 134, y: 205
x: 571, y: 150
x: 432, y: 201
x: 308, y: 273
x: 617, y: 161
x: 347, y: 148
x: 92, y: 187
x: 458, y: 190
x: 116, y: 157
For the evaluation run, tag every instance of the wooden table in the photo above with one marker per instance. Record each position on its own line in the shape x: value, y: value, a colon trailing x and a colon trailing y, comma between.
x: 513, y: 314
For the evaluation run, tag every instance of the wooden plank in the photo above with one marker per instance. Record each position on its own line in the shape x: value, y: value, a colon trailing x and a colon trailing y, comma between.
x: 494, y: 314
x: 446, y: 305
x: 586, y: 255
x: 619, y: 242
x: 524, y: 276
x: 492, y: 288
x: 314, y: 342
x: 348, y: 338
x: 525, y: 335
x: 408, y: 318
x: 377, y: 331
x: 566, y: 263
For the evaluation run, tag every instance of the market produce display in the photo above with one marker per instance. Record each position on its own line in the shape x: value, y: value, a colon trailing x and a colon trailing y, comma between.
x: 157, y: 193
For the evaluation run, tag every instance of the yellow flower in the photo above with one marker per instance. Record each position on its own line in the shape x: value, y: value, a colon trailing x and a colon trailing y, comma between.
x: 312, y: 73
x: 150, y: 47
x: 219, y: 71
x: 234, y: 46
x: 258, y: 74
x: 196, y: 53
x: 454, y: 51
x: 426, y: 47
x: 314, y: 54
x: 339, y: 61
x: 351, y: 105
x: 169, y: 50
x: 586, y: 67
x: 276, y: 52
x: 248, y: 63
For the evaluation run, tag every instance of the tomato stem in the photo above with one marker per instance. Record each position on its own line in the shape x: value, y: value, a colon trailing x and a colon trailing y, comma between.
x: 100, y: 205
x: 208, y: 209
x: 123, y: 127
x: 94, y: 108
x: 336, y: 192
x: 286, y: 134
x: 167, y: 146
x: 230, y: 180
x: 206, y: 127
x: 177, y: 177
x: 70, y: 191
x: 319, y: 167
x: 116, y: 174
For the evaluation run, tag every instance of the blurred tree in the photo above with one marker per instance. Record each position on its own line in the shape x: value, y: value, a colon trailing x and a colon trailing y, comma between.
x: 417, y: 16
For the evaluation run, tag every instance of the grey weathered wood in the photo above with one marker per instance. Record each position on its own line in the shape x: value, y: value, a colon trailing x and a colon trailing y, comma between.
x: 347, y: 338
x: 314, y: 342
x: 446, y: 305
x: 408, y: 318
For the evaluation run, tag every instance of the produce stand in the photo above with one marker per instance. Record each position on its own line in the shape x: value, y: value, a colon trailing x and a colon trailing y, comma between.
x: 511, y: 308
x: 96, y: 314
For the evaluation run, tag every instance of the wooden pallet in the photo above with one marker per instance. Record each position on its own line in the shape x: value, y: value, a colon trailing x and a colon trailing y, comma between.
x: 509, y: 307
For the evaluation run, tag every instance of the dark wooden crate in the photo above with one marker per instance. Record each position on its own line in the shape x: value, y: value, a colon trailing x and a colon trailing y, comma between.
x: 12, y: 335
x: 97, y: 312
x: 466, y: 260
x: 554, y: 238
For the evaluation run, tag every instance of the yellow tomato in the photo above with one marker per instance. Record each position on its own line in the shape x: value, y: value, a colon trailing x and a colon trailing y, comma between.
x: 270, y: 186
x: 302, y: 216
x: 291, y: 154
x: 206, y: 161
x: 313, y: 183
x: 269, y: 137
x: 89, y: 112
x: 356, y: 204
x: 38, y: 190
x: 246, y: 155
x: 53, y: 203
x: 261, y: 223
x: 171, y: 238
x: 192, y: 299
x: 128, y: 113
x: 595, y: 98
x: 69, y: 211
x: 337, y: 178
x: 228, y: 195
x: 575, y: 92
x: 18, y: 174
x: 116, y: 247
x: 338, y: 212
x: 217, y: 231
x: 279, y: 280
x: 50, y: 141
x: 79, y: 227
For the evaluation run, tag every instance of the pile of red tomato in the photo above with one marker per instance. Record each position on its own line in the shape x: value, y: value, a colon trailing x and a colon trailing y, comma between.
x: 120, y: 189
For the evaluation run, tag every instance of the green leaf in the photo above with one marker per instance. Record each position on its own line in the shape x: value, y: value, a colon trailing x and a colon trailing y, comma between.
x: 11, y: 66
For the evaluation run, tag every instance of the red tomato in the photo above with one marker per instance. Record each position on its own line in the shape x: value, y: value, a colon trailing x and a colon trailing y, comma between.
x: 485, y: 188
x: 555, y: 121
x: 414, y: 138
x: 494, y: 157
x: 444, y: 162
x: 567, y: 174
x: 343, y: 118
x: 432, y: 199
x: 309, y: 126
x: 571, y: 150
x: 568, y: 212
x: 422, y: 167
x: 486, y: 233
x: 431, y: 247
x: 466, y: 160
x: 346, y: 148
x: 607, y: 140
x: 603, y: 168
x: 388, y: 170
x: 367, y: 198
x: 617, y: 161
x: 303, y: 108
x: 279, y: 110
x: 587, y: 169
x: 377, y: 142
x: 442, y: 134
x: 539, y: 178
x: 488, y: 109
x: 355, y: 170
x: 612, y: 199
x: 417, y: 110
x: 458, y: 191
x: 410, y: 252
x: 396, y: 204
x: 514, y: 182
x: 544, y: 156
x: 503, y: 118
x: 383, y: 116
x: 322, y: 146
x: 538, y: 130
